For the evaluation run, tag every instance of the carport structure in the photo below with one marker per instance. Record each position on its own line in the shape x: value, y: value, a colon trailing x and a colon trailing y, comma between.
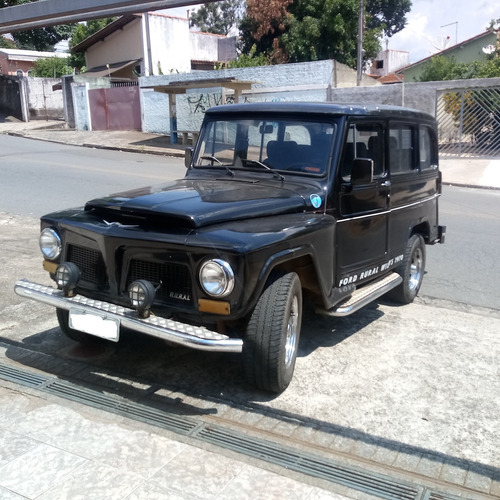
x: 53, y: 12
x: 181, y: 87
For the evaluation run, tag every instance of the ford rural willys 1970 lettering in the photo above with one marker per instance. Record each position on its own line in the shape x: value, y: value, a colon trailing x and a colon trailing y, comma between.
x: 281, y: 202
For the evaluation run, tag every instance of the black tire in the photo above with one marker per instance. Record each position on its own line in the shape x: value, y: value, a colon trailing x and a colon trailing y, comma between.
x: 77, y: 335
x: 411, y: 270
x: 273, y: 332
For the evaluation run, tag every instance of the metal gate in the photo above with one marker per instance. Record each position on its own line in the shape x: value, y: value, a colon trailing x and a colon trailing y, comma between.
x: 115, y: 108
x: 469, y: 122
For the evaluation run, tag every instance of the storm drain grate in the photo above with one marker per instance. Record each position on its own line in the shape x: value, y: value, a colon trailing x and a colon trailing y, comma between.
x: 290, y: 458
x: 22, y: 377
x: 128, y: 409
x: 311, y: 465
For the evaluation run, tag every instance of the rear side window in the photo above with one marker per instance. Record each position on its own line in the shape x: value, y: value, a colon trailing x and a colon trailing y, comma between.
x: 427, y: 148
x: 402, y: 150
x: 364, y: 140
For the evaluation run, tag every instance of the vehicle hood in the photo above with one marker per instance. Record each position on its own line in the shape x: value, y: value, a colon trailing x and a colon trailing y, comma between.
x: 200, y: 202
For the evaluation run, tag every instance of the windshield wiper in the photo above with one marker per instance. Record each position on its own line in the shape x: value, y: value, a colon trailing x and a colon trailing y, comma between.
x: 213, y: 158
x: 267, y: 167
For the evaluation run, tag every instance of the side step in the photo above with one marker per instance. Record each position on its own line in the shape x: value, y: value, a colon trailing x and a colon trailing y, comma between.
x: 363, y: 296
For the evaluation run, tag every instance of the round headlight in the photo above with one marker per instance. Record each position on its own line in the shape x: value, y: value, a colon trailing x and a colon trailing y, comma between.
x: 217, y: 278
x: 50, y: 244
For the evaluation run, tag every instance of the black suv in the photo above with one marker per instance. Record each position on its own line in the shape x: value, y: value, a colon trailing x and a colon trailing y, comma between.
x: 280, y: 201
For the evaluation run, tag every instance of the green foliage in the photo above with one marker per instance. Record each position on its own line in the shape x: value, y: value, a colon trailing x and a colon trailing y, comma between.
x: 12, y: 3
x: 387, y: 15
x: 5, y: 43
x: 440, y: 68
x: 308, y: 30
x: 218, y: 18
x: 52, y: 67
x: 248, y: 60
x: 43, y: 39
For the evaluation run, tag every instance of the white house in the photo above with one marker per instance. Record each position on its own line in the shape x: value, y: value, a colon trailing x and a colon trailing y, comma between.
x: 152, y: 44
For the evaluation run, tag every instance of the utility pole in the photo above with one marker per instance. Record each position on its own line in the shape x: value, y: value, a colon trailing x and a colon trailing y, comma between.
x: 361, y: 25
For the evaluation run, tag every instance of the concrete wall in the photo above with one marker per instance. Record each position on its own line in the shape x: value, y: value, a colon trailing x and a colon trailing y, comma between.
x: 44, y: 102
x: 204, y: 46
x: 227, y: 49
x: 81, y: 106
x: 170, y: 44
x: 310, y: 81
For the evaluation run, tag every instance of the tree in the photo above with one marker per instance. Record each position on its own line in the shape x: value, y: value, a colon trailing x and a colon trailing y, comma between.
x: 262, y: 26
x: 389, y: 15
x: 305, y: 30
x: 52, y: 67
x: 218, y: 18
x: 43, y: 39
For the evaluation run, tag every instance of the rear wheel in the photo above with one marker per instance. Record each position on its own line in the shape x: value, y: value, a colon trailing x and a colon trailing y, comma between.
x: 77, y: 335
x: 411, y: 270
x: 273, y: 332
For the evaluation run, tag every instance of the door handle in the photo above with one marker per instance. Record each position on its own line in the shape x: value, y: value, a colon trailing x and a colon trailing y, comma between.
x: 386, y: 184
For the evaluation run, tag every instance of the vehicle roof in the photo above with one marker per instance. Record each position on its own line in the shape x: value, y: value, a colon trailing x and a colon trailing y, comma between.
x: 322, y: 108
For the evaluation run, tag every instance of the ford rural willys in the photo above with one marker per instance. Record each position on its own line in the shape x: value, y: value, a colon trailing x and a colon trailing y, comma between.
x: 281, y: 202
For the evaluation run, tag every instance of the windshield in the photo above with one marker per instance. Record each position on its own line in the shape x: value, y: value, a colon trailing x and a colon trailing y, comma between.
x: 276, y: 145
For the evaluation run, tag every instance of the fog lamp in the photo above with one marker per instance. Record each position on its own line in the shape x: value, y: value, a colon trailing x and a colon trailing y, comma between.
x: 67, y: 277
x: 142, y: 295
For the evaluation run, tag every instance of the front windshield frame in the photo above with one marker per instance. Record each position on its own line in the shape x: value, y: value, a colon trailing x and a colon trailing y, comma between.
x: 284, y: 144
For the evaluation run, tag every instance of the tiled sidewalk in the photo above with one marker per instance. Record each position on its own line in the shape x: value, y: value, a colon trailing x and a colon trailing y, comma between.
x: 50, y: 451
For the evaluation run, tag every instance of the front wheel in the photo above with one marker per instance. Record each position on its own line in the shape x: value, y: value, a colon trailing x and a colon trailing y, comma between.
x: 411, y: 270
x: 273, y: 332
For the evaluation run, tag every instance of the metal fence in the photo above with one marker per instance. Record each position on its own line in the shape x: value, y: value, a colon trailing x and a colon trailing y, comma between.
x: 469, y: 122
x: 130, y: 83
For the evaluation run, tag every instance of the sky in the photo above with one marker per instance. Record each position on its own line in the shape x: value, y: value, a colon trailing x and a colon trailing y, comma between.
x: 426, y: 32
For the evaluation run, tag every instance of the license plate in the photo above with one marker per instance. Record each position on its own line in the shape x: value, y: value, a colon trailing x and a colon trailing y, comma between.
x: 95, y: 323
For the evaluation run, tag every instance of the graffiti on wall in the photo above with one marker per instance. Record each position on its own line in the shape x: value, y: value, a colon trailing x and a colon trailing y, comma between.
x: 199, y: 103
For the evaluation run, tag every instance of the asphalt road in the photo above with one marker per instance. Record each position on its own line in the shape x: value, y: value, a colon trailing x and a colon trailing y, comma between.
x: 39, y: 177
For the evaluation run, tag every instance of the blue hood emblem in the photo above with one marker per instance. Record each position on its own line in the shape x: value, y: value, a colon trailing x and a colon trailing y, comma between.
x: 315, y: 200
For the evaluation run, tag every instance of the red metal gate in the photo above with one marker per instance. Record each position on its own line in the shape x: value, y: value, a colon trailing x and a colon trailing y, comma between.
x: 116, y: 108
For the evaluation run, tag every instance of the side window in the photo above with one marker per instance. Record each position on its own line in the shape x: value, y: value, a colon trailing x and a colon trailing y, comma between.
x: 364, y: 140
x: 402, y: 139
x: 427, y: 149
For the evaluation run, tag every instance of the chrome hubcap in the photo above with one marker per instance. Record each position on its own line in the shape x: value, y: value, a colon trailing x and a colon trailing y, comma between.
x: 416, y: 269
x: 291, y: 332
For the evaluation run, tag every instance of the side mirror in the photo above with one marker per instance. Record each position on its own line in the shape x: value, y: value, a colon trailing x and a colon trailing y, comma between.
x: 362, y: 171
x: 188, y: 156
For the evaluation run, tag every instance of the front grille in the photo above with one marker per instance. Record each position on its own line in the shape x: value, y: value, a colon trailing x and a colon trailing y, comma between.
x: 90, y: 263
x: 174, y: 280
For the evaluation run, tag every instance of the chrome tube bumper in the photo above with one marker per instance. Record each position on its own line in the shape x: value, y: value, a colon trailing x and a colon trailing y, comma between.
x: 196, y: 337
